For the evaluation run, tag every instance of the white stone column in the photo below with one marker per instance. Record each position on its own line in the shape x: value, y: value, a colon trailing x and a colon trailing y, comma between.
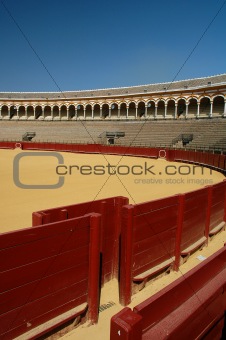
x: 146, y: 111
x: 109, y: 112
x: 84, y: 116
x: 43, y: 111
x: 165, y: 112
x: 76, y: 113
x: 175, y: 112
x: 186, y: 111
x: 67, y: 113
x: 211, y: 109
x: 17, y: 112
x: 127, y: 112
x: 101, y: 114
x: 26, y: 111
x: 119, y: 111
x: 51, y: 110
x: 224, y: 114
x: 92, y: 112
x: 198, y: 109
x: 136, y: 112
x: 156, y: 110
x: 0, y: 112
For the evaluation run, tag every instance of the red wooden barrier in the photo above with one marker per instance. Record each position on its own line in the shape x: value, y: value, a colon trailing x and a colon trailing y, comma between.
x: 217, y: 208
x: 171, y: 155
x: 192, y: 307
x: 197, y: 156
x: 110, y: 210
x: 147, y: 242
x: 7, y: 145
x: 194, y: 221
x: 49, y: 275
x: 216, y: 160
x: 211, y: 159
x: 157, y: 234
x: 221, y: 161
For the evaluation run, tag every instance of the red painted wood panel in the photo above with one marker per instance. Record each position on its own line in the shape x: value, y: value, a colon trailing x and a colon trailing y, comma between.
x: 181, y: 310
x: 108, y: 208
x: 45, y: 273
x: 195, y: 214
x: 154, y: 233
x: 218, y: 206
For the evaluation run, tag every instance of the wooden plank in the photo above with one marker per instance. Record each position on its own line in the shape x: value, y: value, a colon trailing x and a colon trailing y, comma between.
x: 43, y: 309
x: 145, y: 207
x: 193, y: 246
x: 155, y: 240
x: 217, y: 228
x: 148, y: 229
x: 28, y: 235
x: 42, y: 248
x: 154, y: 270
x: 47, y: 326
x: 44, y: 286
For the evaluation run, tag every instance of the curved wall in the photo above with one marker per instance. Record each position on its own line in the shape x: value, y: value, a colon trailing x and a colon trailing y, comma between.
x: 193, y: 98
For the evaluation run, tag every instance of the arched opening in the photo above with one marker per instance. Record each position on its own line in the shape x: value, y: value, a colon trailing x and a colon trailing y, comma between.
x: 22, y: 113
x: 63, y: 112
x: 151, y: 109
x: 170, y: 113
x: 123, y: 111
x: 80, y: 111
x: 5, y: 112
x: 181, y: 108
x: 30, y: 113
x: 56, y: 113
x: 88, y: 112
x: 192, y: 108
x: 71, y: 112
x: 114, y: 111
x: 96, y: 111
x: 204, y: 110
x: 141, y: 110
x: 218, y: 106
x: 38, y: 112
x: 161, y: 109
x: 13, y: 112
x: 132, y: 110
x: 105, y: 111
x: 47, y: 113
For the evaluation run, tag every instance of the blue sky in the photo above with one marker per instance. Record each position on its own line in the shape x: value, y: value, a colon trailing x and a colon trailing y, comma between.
x: 100, y: 44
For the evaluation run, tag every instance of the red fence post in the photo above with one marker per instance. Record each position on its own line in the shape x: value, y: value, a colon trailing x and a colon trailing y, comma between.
x: 126, y: 325
x: 103, y: 232
x: 36, y: 219
x: 125, y: 282
x: 208, y: 212
x: 94, y: 268
x: 120, y: 202
x: 180, y: 219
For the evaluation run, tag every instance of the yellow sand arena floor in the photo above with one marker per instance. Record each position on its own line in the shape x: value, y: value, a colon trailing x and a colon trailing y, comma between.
x: 137, y: 178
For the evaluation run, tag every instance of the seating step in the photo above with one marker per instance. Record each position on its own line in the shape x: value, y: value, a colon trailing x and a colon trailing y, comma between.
x: 154, y: 270
x: 194, y: 246
x: 217, y: 228
x: 57, y: 321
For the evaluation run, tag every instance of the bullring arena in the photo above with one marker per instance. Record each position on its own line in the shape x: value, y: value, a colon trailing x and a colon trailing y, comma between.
x: 114, y: 238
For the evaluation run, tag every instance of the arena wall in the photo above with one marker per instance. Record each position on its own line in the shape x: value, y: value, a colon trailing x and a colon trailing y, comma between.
x: 135, y: 231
